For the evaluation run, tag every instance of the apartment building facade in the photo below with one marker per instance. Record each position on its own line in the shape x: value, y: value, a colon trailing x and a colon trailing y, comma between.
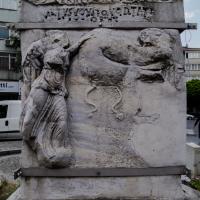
x: 192, y: 63
x: 9, y: 66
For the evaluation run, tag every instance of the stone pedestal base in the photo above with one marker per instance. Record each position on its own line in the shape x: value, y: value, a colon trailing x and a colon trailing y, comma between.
x: 142, y: 188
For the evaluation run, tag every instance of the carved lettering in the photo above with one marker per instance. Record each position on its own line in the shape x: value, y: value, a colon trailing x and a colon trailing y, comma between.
x: 91, y: 14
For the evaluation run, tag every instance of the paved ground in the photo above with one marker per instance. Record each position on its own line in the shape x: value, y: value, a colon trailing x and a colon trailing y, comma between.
x: 8, y: 164
x: 10, y: 145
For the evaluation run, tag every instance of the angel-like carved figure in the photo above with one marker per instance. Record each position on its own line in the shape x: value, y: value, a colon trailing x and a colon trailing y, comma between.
x: 44, y: 115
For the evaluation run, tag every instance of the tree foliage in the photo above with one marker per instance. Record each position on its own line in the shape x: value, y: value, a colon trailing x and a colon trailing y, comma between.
x: 193, y: 95
x: 193, y: 100
x: 7, y: 188
x: 193, y: 88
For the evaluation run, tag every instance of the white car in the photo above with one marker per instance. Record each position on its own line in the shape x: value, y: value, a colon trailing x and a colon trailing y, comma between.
x: 10, y: 111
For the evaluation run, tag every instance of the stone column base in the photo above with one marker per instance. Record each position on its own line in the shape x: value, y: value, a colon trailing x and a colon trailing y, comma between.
x: 137, y: 188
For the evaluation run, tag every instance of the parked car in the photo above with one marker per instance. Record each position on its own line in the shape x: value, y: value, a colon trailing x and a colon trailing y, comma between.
x: 10, y: 111
x: 190, y: 117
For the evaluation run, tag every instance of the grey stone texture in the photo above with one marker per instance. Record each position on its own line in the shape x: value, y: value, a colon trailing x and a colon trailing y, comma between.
x: 44, y: 116
x: 8, y: 164
x: 126, y: 108
x: 112, y: 107
x: 124, y: 105
x: 143, y: 188
x: 104, y: 12
x: 10, y: 145
x: 67, y: 2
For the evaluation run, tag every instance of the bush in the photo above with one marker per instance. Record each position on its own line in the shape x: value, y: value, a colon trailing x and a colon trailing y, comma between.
x: 195, y: 183
x: 193, y: 94
x: 7, y: 188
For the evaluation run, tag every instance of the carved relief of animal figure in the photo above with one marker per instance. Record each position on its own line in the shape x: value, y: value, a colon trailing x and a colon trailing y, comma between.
x: 105, y: 61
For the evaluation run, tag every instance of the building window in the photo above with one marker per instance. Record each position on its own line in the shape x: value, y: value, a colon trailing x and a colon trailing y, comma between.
x: 7, y: 61
x: 4, y: 32
x: 12, y: 65
x: 194, y: 55
x: 3, y: 111
x: 8, y: 4
x: 4, y: 62
x: 192, y: 67
x: 196, y: 77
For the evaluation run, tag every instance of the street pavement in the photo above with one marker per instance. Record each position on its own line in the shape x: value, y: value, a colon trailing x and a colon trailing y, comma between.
x: 10, y: 145
x: 9, y: 163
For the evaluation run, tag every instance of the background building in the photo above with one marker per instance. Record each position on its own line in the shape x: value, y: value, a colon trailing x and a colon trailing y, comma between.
x: 192, y: 63
x: 9, y: 64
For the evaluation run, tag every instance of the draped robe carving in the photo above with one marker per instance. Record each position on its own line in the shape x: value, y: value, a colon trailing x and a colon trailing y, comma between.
x: 44, y: 116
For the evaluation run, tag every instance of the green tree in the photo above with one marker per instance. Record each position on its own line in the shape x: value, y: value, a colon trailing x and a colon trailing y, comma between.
x: 193, y: 95
x: 193, y: 100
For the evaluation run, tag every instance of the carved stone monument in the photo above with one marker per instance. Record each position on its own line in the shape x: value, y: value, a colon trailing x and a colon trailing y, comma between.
x: 103, y: 100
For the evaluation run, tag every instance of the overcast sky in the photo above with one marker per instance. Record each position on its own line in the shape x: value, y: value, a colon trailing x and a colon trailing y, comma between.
x: 192, y: 14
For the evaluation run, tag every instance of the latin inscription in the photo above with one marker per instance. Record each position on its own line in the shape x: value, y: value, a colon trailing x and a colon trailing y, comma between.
x: 101, y: 12
x: 93, y: 14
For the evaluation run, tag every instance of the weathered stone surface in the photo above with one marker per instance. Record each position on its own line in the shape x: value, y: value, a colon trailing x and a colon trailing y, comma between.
x: 126, y: 108
x: 111, y: 83
x: 143, y: 188
x: 8, y: 164
x: 119, y: 114
x: 104, y: 12
x: 126, y: 98
x: 10, y: 145
x: 40, y: 2
x: 44, y: 115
